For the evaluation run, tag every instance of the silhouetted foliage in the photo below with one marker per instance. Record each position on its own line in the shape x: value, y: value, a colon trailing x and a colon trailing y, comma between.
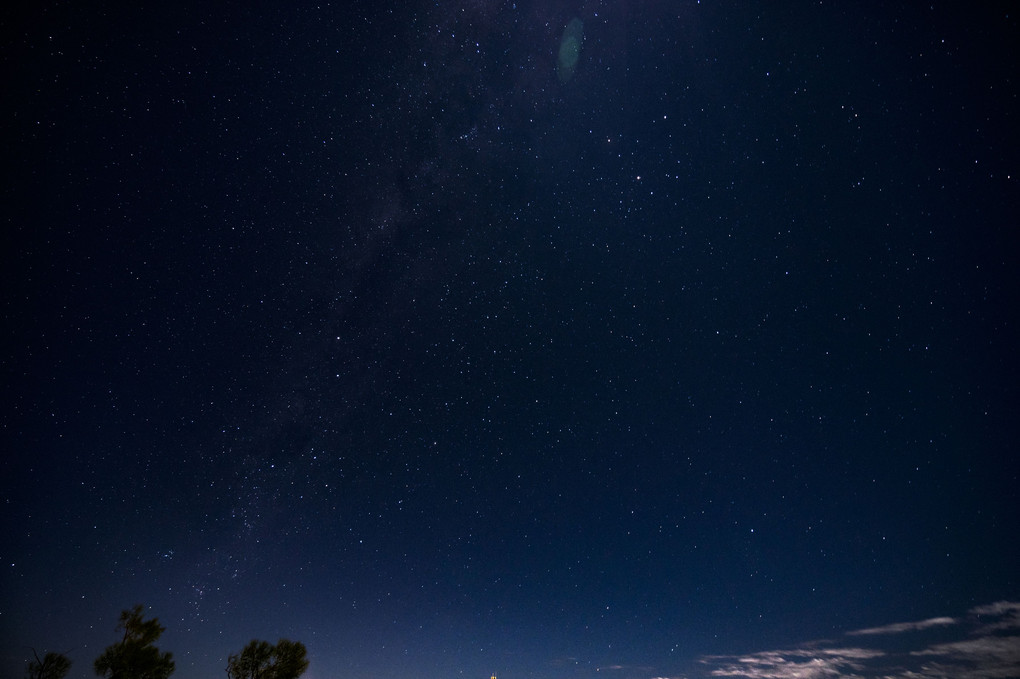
x: 262, y: 660
x: 52, y: 666
x: 135, y: 656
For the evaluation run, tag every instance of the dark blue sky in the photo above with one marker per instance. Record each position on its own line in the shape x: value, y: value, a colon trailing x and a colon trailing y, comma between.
x: 366, y: 327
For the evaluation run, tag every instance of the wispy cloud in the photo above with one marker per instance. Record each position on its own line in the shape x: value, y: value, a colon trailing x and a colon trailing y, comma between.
x: 997, y: 617
x: 800, y: 663
x: 983, y: 644
x: 629, y: 668
x: 899, y: 627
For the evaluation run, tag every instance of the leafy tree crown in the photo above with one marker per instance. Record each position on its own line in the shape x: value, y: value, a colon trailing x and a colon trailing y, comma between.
x: 51, y: 666
x: 262, y: 660
x: 135, y: 656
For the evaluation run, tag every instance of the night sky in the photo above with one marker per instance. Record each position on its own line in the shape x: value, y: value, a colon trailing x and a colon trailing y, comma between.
x: 386, y: 328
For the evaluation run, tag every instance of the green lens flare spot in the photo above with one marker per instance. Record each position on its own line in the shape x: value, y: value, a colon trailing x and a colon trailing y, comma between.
x: 570, y: 49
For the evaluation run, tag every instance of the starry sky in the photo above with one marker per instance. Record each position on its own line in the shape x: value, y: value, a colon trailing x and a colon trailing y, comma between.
x: 378, y: 327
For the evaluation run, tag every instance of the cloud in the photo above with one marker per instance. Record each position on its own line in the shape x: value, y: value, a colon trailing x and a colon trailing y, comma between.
x: 998, y: 608
x: 905, y: 626
x: 997, y: 617
x: 629, y: 668
x: 984, y: 644
x: 798, y: 663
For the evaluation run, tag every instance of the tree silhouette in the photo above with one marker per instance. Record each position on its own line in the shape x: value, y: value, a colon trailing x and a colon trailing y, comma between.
x: 52, y: 666
x: 262, y: 660
x: 135, y: 656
